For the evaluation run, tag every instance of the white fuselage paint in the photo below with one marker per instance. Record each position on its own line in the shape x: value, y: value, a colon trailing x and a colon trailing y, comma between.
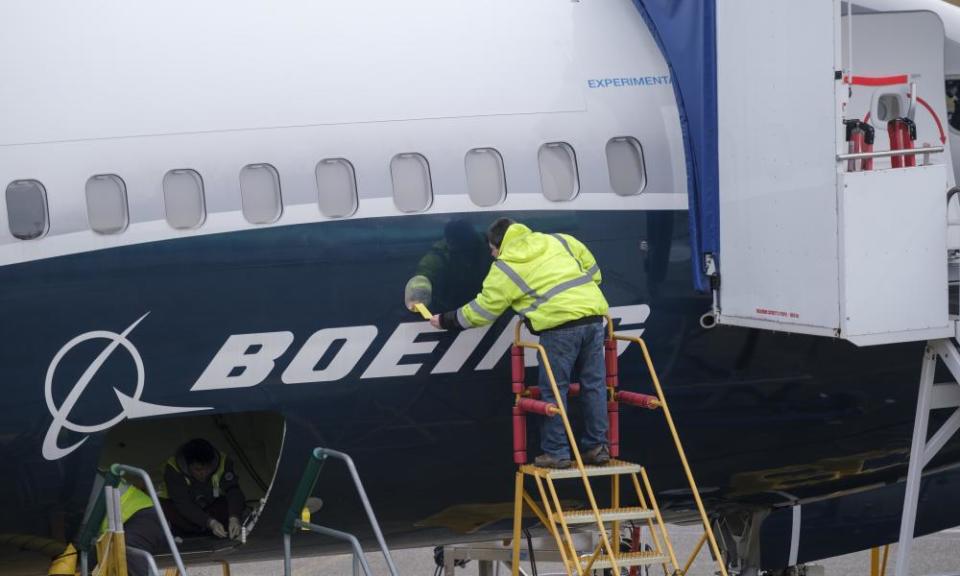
x: 172, y: 85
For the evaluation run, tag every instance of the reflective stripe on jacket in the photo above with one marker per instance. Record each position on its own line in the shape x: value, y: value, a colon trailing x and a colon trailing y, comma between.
x: 214, y: 478
x: 549, y: 279
x: 132, y: 500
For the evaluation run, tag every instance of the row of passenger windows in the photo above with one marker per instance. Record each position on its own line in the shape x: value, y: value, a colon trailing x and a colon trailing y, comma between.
x: 185, y: 208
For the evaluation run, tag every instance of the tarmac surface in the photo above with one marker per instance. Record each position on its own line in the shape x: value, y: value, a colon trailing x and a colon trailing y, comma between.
x: 937, y: 554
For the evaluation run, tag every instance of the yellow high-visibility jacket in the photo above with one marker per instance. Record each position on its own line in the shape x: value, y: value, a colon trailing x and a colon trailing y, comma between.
x: 132, y: 500
x: 548, y: 279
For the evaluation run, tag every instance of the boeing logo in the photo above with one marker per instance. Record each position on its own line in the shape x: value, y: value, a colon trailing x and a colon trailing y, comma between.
x: 131, y: 406
x: 329, y: 354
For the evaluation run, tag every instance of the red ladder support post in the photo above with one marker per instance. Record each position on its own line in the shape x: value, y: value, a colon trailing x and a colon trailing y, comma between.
x: 613, y: 406
x: 896, y: 141
x: 869, y: 135
x: 909, y: 134
x: 855, y: 142
x: 518, y: 369
x: 902, y: 132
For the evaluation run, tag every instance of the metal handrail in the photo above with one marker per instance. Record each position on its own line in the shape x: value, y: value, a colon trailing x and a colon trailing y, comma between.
x: 345, y: 536
x: 122, y: 469
x: 887, y: 153
x: 676, y: 440
x: 307, y: 482
x: 562, y: 411
x: 151, y: 563
x: 326, y: 452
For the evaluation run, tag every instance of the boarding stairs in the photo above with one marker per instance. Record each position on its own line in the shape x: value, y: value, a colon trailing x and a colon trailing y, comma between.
x: 298, y: 514
x: 607, y: 520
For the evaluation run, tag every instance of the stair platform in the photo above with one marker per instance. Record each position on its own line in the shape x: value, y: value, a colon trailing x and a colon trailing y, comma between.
x: 612, y: 468
x: 628, y: 559
x: 608, y: 515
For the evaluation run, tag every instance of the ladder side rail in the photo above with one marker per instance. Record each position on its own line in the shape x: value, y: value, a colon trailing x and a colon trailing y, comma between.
x: 656, y: 511
x: 366, y: 502
x: 111, y: 548
x: 552, y: 525
x: 680, y: 452
x: 120, y: 470
x: 567, y: 539
x: 693, y: 555
x: 344, y: 536
x: 650, y: 524
x: 518, y: 493
x: 575, y: 450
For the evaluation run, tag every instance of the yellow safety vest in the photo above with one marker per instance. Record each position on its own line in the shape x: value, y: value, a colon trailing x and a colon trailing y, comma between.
x: 132, y: 500
x: 215, y: 479
x: 549, y: 279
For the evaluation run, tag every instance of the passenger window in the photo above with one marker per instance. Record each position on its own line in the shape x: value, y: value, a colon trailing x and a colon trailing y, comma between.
x: 27, y: 214
x: 888, y: 107
x: 107, y: 204
x: 336, y: 187
x: 260, y: 193
x: 559, y: 179
x: 183, y: 199
x: 625, y: 163
x: 412, y: 189
x: 486, y: 181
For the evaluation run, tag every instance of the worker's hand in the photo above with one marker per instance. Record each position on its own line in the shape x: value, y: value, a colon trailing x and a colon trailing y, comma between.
x: 234, y: 527
x: 435, y: 321
x: 217, y: 528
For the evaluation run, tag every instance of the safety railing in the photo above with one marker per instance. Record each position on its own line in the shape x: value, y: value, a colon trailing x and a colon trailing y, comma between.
x: 120, y: 470
x: 888, y: 153
x: 93, y: 517
x: 147, y: 557
x: 664, y: 406
x: 305, y: 487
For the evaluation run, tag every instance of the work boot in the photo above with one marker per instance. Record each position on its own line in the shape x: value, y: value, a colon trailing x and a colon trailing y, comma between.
x: 597, y: 456
x: 548, y: 461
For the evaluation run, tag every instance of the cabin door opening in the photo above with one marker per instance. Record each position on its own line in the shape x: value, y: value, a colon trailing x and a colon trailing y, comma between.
x: 253, y: 441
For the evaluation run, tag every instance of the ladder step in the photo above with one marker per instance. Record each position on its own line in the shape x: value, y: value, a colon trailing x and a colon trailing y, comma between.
x: 628, y: 559
x: 608, y: 515
x: 612, y: 468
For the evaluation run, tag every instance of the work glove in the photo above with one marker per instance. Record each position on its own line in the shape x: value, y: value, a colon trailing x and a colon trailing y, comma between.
x: 234, y: 527
x: 217, y: 528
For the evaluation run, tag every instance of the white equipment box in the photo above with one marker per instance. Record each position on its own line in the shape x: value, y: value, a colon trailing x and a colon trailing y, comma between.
x: 805, y: 245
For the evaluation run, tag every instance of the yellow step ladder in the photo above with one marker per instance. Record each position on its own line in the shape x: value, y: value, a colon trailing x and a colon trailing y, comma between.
x: 558, y: 522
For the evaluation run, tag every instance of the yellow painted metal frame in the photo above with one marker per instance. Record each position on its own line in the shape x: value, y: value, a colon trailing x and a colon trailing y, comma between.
x: 878, y: 567
x: 552, y: 515
x: 708, y: 530
x: 575, y: 450
x: 111, y: 555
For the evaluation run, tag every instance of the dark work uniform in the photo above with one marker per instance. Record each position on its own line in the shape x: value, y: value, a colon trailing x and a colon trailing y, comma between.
x: 189, y: 505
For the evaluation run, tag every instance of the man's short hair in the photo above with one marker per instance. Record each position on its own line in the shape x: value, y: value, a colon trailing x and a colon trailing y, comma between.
x: 198, y: 451
x: 497, y: 230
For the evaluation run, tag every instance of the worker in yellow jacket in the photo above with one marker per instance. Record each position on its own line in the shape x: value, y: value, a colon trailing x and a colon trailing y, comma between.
x: 141, y: 526
x: 553, y: 282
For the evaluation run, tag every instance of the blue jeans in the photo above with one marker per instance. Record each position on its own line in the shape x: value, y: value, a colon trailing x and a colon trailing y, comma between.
x: 578, y: 349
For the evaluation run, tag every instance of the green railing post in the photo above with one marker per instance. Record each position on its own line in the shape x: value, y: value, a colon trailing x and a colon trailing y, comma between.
x: 308, y: 481
x: 90, y: 527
